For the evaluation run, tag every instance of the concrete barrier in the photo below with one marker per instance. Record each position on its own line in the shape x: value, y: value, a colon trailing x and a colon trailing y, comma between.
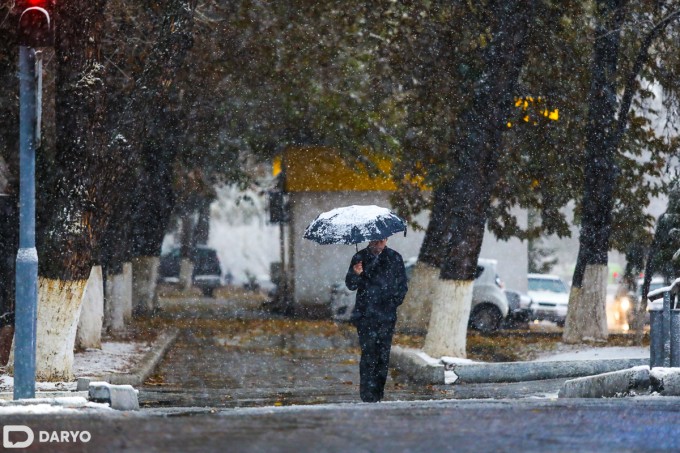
x: 418, y: 367
x: 665, y: 381
x: 605, y: 385
x: 415, y: 367
x: 535, y: 371
x: 119, y: 397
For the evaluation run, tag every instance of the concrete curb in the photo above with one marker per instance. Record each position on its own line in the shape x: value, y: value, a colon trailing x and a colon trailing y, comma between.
x: 666, y: 381
x: 420, y: 370
x: 535, y: 371
x: 145, y: 366
x: 607, y: 384
x: 415, y: 367
x: 9, y: 396
x: 119, y: 397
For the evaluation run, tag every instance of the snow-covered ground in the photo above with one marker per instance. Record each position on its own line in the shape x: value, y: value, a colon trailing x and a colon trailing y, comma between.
x: 114, y: 357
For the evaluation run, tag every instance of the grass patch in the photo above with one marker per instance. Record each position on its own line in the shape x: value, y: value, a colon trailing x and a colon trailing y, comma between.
x: 512, y: 346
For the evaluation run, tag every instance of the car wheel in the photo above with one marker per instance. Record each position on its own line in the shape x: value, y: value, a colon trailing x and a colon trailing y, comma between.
x: 561, y: 323
x: 486, y: 318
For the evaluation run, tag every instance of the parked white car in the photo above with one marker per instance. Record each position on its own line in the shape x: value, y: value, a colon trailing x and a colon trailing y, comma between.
x: 549, y: 298
x: 489, y: 302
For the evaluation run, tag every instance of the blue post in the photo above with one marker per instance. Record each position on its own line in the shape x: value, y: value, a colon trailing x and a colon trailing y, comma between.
x: 27, y: 257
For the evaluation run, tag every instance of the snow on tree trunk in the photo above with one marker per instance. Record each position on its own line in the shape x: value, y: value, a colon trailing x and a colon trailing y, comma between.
x: 58, y: 308
x: 144, y: 277
x: 186, y: 270
x: 586, y: 316
x: 447, y: 331
x: 89, y: 333
x: 414, y: 313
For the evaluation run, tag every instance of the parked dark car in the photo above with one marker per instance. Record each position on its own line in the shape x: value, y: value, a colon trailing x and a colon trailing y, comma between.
x: 207, y: 274
x: 519, y: 311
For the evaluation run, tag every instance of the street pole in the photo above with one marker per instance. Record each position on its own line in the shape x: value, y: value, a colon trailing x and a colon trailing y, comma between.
x: 27, y: 256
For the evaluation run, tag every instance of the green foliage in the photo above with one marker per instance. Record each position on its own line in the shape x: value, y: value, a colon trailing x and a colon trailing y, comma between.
x: 395, y: 77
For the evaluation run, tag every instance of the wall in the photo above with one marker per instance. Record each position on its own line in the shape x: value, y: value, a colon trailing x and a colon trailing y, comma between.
x: 317, y: 267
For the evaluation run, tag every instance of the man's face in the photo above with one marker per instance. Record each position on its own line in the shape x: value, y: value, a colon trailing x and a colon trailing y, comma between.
x: 377, y: 246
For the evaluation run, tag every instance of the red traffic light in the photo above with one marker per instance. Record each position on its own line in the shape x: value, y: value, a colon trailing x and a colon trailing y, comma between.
x: 23, y: 4
x: 35, y: 24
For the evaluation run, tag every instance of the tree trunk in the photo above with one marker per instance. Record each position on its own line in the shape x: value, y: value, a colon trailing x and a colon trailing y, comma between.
x: 144, y: 277
x: 9, y: 242
x: 600, y: 178
x: 90, y: 323
x: 202, y: 233
x: 76, y: 208
x: 160, y: 130
x: 117, y: 295
x: 414, y: 313
x: 58, y: 300
x: 471, y: 186
x: 582, y: 306
x: 452, y: 300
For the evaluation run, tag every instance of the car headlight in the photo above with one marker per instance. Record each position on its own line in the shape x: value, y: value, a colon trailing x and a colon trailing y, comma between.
x: 625, y: 304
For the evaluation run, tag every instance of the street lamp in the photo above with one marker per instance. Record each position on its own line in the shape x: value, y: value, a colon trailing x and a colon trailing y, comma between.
x: 35, y: 30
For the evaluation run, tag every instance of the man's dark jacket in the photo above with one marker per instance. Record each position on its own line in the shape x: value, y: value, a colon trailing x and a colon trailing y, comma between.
x: 381, y: 286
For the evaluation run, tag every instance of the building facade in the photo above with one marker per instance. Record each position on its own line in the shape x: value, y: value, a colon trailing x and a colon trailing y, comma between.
x: 316, y: 180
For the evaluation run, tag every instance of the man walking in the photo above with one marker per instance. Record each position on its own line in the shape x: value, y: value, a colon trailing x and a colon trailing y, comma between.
x: 378, y: 273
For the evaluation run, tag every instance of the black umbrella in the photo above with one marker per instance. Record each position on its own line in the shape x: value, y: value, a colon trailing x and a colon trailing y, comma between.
x: 354, y: 224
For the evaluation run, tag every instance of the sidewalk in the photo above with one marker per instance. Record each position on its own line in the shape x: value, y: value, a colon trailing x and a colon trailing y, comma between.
x: 121, y: 360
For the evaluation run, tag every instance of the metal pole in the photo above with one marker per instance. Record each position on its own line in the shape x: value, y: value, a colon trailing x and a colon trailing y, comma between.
x: 27, y: 256
x: 666, y: 329
x: 675, y: 338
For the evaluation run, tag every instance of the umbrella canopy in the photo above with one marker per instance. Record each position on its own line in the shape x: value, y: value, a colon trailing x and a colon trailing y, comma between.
x: 354, y: 224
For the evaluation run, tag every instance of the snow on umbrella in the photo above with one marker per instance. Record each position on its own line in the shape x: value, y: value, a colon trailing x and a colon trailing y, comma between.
x: 354, y: 224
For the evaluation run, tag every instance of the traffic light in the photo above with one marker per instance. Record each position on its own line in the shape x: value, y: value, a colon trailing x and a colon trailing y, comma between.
x: 36, y: 27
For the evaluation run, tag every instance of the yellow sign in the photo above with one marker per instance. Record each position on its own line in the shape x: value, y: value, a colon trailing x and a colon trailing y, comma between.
x: 324, y: 170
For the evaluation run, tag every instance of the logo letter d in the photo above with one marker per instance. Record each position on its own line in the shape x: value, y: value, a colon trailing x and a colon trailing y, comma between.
x: 18, y: 429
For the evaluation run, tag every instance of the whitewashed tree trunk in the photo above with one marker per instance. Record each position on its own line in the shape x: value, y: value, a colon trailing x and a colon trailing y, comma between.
x: 144, y: 277
x: 447, y: 331
x: 89, y: 333
x: 115, y: 303
x: 186, y: 270
x: 127, y: 292
x: 414, y: 313
x: 586, y: 315
x: 58, y: 308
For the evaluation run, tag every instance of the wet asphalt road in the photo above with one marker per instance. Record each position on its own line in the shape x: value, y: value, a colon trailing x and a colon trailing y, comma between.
x: 526, y: 425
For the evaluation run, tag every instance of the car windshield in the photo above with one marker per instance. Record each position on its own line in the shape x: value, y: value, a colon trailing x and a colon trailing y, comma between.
x: 545, y: 284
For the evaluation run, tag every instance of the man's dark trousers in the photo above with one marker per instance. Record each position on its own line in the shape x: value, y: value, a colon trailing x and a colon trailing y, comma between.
x: 375, y: 339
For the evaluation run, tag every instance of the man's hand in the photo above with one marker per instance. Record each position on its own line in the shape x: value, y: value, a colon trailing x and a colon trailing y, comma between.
x: 358, y: 268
